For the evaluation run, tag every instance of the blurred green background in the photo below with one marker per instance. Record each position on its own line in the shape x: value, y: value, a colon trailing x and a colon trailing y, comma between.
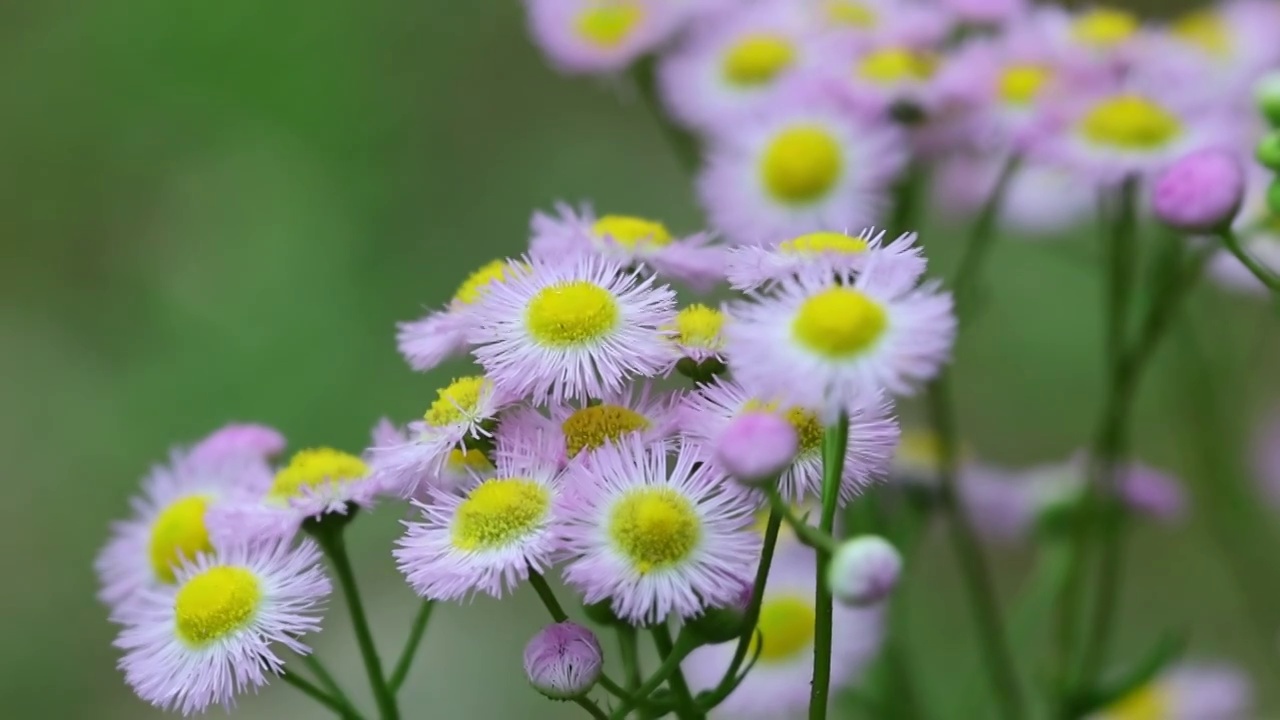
x: 217, y: 212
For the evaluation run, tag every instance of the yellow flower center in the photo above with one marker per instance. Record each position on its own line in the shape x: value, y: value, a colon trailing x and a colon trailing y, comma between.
x: 571, y: 313
x: 632, y: 232
x: 839, y: 322
x: 215, y: 604
x: 1204, y: 29
x: 1105, y: 27
x: 757, y: 59
x: 808, y: 428
x: 850, y: 13
x: 609, y: 24
x: 478, y: 282
x: 1130, y: 122
x: 889, y: 66
x: 462, y: 460
x: 656, y: 528
x: 315, y: 467
x: 823, y: 242
x: 801, y: 164
x: 179, y: 532
x: 499, y: 512
x: 1145, y: 703
x: 786, y: 626
x: 919, y: 448
x: 699, y: 326
x: 457, y: 402
x: 593, y: 426
x: 1021, y: 84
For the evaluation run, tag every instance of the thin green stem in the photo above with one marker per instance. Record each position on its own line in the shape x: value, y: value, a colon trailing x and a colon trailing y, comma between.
x: 325, y: 678
x: 834, y: 446
x: 1264, y: 274
x: 683, y: 144
x: 594, y: 710
x: 805, y: 533
x: 684, y: 644
x: 338, y: 708
x: 685, y: 705
x: 629, y: 648
x: 548, y: 597
x: 772, y: 527
x: 411, y: 645
x: 982, y: 236
x: 332, y: 542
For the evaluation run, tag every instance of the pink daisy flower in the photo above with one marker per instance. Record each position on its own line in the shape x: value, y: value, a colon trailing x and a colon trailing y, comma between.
x: 577, y: 329
x: 490, y: 536
x: 803, y: 167
x: 210, y: 636
x: 914, y: 23
x: 1230, y: 44
x: 881, y: 75
x: 1188, y: 691
x: 655, y: 534
x: 630, y: 241
x: 600, y: 36
x: 778, y: 684
x: 831, y: 343
x: 751, y: 267
x: 442, y: 334
x: 169, y: 520
x: 1101, y: 34
x: 707, y: 413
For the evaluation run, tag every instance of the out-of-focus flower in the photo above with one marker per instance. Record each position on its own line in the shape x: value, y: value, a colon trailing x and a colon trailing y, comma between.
x: 1259, y: 233
x: 600, y: 36
x: 756, y: 447
x: 629, y: 241
x: 563, y: 661
x: 210, y: 635
x: 805, y: 166
x: 1201, y: 192
x: 986, y: 12
x: 751, y: 267
x: 576, y: 329
x: 1188, y: 691
x: 913, y: 23
x: 1230, y: 44
x: 698, y: 333
x: 778, y: 684
x: 441, y: 334
x: 655, y: 535
x: 864, y: 570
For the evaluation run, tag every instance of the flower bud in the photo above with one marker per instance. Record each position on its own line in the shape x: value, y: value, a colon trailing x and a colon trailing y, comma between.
x: 756, y: 447
x: 1267, y: 94
x: 1268, y: 151
x: 1201, y: 192
x: 864, y: 570
x: 1273, y: 197
x: 563, y: 661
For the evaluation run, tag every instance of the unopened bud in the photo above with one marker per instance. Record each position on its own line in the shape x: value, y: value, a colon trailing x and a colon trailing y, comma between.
x: 756, y: 447
x: 563, y: 661
x: 864, y: 570
x: 1200, y: 192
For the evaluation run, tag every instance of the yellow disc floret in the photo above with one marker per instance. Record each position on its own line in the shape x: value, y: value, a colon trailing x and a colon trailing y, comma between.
x: 457, y: 402
x: 851, y: 13
x: 801, y: 164
x: 786, y: 627
x: 594, y: 425
x: 609, y: 24
x: 819, y: 243
x: 757, y: 59
x: 1105, y: 27
x: 699, y: 326
x: 178, y: 532
x: 461, y: 460
x: 1146, y: 703
x: 655, y: 528
x: 632, y: 232
x: 215, y: 604
x: 315, y: 467
x: 474, y: 287
x: 890, y: 66
x: 839, y: 322
x: 808, y: 428
x: 571, y: 313
x: 1204, y: 29
x: 499, y: 512
x: 1130, y: 122
x: 1021, y: 84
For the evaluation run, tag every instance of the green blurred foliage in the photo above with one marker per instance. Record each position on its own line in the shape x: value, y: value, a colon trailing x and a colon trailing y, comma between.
x: 218, y: 211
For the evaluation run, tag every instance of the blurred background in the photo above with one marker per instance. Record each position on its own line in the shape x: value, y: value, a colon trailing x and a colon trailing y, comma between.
x: 218, y: 211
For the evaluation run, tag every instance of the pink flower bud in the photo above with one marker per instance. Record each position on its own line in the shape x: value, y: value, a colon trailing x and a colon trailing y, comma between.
x: 563, y: 661
x: 1201, y: 192
x: 864, y: 570
x: 756, y: 447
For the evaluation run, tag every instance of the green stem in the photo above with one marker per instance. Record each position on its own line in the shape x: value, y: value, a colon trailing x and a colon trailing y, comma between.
x: 548, y: 597
x: 1260, y: 271
x: 325, y: 678
x: 982, y: 236
x: 332, y: 542
x: 683, y: 144
x: 586, y: 704
x: 685, y: 706
x: 772, y: 527
x: 630, y: 650
x: 411, y: 645
x: 339, y: 708
x: 973, y: 563
x: 834, y: 446
x: 684, y: 644
x: 805, y: 533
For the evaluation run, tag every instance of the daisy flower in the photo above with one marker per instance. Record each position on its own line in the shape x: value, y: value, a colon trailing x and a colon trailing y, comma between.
x: 734, y: 65
x: 803, y: 167
x: 707, y: 413
x: 751, y: 267
x: 630, y: 241
x: 656, y: 534
x: 914, y: 23
x: 827, y: 343
x: 169, y: 525
x: 1101, y: 34
x: 210, y: 636
x: 439, y: 335
x: 698, y: 333
x: 778, y: 684
x: 577, y: 329
x: 488, y: 537
x: 886, y: 75
x: 599, y: 36
x: 1231, y: 44
x: 463, y: 412
x: 1188, y: 691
